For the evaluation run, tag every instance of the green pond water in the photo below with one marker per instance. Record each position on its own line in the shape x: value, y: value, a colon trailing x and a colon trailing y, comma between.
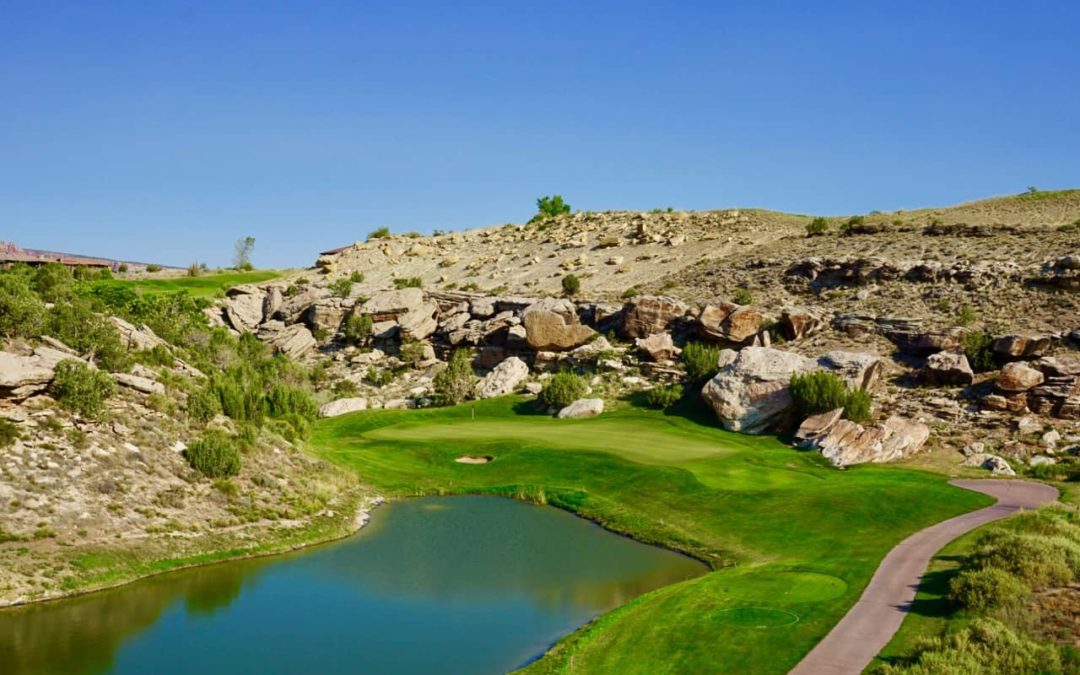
x: 446, y: 585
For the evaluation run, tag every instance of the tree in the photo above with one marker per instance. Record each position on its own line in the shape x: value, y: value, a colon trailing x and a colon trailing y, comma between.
x: 571, y: 285
x: 455, y: 383
x: 549, y: 207
x: 242, y: 255
x: 357, y: 328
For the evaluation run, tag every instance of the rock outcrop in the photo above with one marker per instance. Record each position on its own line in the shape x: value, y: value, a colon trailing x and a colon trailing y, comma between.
x: 750, y: 393
x: 648, y: 314
x: 553, y: 325
x: 504, y: 379
x: 658, y: 347
x: 343, y: 406
x: 581, y: 408
x: 23, y: 376
x: 844, y: 442
x: 949, y: 369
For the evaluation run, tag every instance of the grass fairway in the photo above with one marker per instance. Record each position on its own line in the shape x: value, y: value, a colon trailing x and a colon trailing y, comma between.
x: 793, y: 541
x: 206, y: 286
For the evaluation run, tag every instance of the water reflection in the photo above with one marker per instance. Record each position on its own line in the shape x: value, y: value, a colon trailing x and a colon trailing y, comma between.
x: 461, y: 584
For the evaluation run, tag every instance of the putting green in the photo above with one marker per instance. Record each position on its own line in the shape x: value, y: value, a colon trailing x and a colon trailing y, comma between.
x: 788, y: 535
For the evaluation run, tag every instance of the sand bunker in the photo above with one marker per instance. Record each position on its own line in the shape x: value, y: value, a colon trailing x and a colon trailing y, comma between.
x: 469, y: 459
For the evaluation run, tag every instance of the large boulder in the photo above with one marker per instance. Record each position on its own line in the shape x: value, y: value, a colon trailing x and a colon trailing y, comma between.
x: 389, y: 305
x: 648, y: 314
x: 342, y: 406
x: 135, y: 337
x: 730, y: 322
x: 1018, y: 377
x: 584, y: 407
x: 658, y: 347
x: 503, y: 379
x: 139, y: 383
x: 949, y: 368
x: 860, y: 370
x: 419, y: 323
x: 992, y: 463
x: 245, y: 311
x: 325, y: 315
x: 1016, y: 346
x: 796, y: 323
x: 23, y: 376
x: 293, y: 341
x: 844, y: 442
x: 552, y: 324
x: 751, y: 391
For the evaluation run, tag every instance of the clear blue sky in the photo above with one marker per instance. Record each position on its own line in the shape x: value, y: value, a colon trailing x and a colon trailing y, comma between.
x: 165, y: 131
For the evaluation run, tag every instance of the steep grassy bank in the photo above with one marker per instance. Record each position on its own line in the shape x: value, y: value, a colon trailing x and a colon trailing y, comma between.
x: 793, y: 541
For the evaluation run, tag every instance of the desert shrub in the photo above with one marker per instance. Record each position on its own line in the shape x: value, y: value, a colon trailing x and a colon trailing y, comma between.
x: 571, y: 285
x: 193, y: 270
x: 664, y: 397
x: 381, y: 233
x: 9, y: 433
x: 53, y: 283
x: 562, y: 390
x: 215, y: 455
x: 1036, y: 560
x: 341, y: 287
x: 987, y: 647
x: 822, y: 391
x: 978, y: 349
x: 966, y: 316
x: 283, y: 400
x: 81, y: 388
x: 357, y: 277
x: 979, y: 590
x: 409, y: 282
x: 21, y: 311
x: 455, y: 383
x: 158, y: 355
x: 77, y: 325
x: 742, y: 297
x: 153, y: 268
x: 817, y: 226
x: 345, y: 389
x: 630, y: 293
x: 357, y: 328
x: 122, y: 268
x: 411, y: 352
x: 700, y: 361
x: 849, y: 226
x: 858, y: 405
x: 379, y: 378
x: 549, y: 207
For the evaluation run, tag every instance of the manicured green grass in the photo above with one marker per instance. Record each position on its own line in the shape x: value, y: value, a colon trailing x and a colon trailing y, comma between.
x: 787, y: 535
x: 206, y: 286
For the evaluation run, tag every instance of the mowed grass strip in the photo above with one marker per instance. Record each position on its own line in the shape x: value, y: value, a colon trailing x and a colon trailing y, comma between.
x: 205, y: 286
x: 786, y: 534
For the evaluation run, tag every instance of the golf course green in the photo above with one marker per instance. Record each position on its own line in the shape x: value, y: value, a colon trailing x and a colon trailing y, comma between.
x: 203, y: 286
x: 792, y: 541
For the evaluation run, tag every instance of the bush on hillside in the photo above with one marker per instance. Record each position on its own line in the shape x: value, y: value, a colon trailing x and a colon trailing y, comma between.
x: 1036, y: 560
x: 821, y: 391
x: 411, y: 352
x: 342, y: 287
x: 381, y: 233
x: 549, y: 207
x: 77, y: 325
x: 53, y: 283
x: 562, y: 390
x: 151, y: 268
x: 357, y: 277
x: 9, y: 433
x: 851, y: 225
x: 980, y: 590
x: 81, y: 388
x: 215, y: 455
x: 203, y: 404
x: 978, y: 349
x: 357, y: 328
x: 664, y: 397
x: 571, y: 285
x: 742, y: 297
x: 817, y: 226
x: 700, y: 361
x: 408, y: 282
x: 455, y: 383
x: 22, y: 314
x: 987, y: 647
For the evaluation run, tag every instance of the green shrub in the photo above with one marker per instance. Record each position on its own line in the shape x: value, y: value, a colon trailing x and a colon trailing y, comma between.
x: 357, y: 277
x: 1036, y: 560
x: 379, y: 378
x: 77, y: 325
x: 22, y: 314
x: 341, y: 287
x: 153, y: 268
x: 122, y: 268
x: 858, y: 406
x: 345, y: 389
x: 203, y: 404
x: 978, y: 348
x: 986, y: 647
x: 571, y: 285
x: 53, y: 283
x: 664, y: 397
x: 742, y: 297
x: 408, y: 282
x: 81, y: 388
x: 630, y: 293
x: 562, y: 390
x: 821, y: 391
x: 817, y: 226
x: 457, y: 382
x: 381, y: 233
x: 851, y: 224
x: 215, y: 455
x: 700, y: 361
x: 411, y: 352
x: 966, y: 316
x: 357, y: 329
x: 9, y: 433
x: 982, y: 589
x: 549, y: 207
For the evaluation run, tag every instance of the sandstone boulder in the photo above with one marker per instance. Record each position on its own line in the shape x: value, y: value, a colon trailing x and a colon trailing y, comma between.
x: 1020, y: 346
x: 132, y: 337
x: 585, y: 407
x: 1018, y: 377
x: 138, y: 383
x: 418, y: 323
x: 342, y: 406
x: 293, y: 341
x: 730, y: 322
x: 325, y: 315
x: 798, y: 323
x: 949, y: 368
x: 244, y: 311
x: 552, y: 324
x: 992, y: 463
x: 23, y: 376
x: 658, y: 347
x: 860, y: 370
x: 845, y: 443
x: 751, y: 392
x: 389, y: 305
x: 648, y: 314
x: 503, y: 379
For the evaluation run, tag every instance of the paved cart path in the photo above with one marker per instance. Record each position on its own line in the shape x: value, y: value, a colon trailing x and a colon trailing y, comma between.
x: 874, y: 619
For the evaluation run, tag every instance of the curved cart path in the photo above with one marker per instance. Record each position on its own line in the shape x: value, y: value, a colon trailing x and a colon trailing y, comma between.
x: 869, y: 625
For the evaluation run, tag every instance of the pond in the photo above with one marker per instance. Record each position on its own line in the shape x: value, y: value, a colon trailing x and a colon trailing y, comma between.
x: 446, y: 584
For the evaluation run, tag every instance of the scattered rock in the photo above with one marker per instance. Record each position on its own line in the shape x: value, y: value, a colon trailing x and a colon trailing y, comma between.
x: 950, y: 368
x: 648, y: 314
x: 1015, y: 346
x: 992, y: 463
x: 844, y: 442
x: 143, y: 384
x: 23, y: 376
x: 343, y: 406
x: 585, y: 407
x: 1018, y: 377
x: 658, y: 347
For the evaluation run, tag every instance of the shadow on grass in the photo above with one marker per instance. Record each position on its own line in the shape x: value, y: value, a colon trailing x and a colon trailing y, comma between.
x: 529, y: 407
